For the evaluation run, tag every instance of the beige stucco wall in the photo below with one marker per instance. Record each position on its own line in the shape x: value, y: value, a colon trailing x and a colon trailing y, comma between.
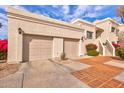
x: 107, y: 34
x: 87, y: 27
x: 35, y: 25
x: 121, y: 28
x: 57, y: 47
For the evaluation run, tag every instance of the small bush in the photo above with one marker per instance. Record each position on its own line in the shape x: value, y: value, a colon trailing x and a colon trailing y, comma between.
x: 91, y: 47
x: 120, y: 52
x: 116, y: 45
x: 116, y: 52
x: 92, y: 53
x: 3, y: 55
x: 3, y: 49
x: 63, y: 56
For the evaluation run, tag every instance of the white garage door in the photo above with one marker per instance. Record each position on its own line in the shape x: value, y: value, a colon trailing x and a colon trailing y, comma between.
x: 37, y: 47
x: 71, y: 47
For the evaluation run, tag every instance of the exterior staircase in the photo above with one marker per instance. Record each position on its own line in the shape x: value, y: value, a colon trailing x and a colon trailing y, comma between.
x: 107, y: 52
x: 107, y: 49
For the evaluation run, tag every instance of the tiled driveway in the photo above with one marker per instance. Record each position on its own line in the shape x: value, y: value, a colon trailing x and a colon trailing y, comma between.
x: 99, y: 75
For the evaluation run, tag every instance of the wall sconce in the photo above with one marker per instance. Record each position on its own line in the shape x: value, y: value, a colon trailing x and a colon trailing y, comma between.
x: 20, y: 30
x: 82, y: 38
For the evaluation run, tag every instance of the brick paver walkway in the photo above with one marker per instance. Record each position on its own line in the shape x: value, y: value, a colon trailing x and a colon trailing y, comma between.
x: 99, y: 75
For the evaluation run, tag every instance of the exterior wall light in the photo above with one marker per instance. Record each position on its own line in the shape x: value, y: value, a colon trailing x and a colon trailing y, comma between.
x: 82, y: 38
x: 20, y: 31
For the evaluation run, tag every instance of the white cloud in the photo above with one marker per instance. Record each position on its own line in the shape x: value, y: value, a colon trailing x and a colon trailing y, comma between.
x: 3, y: 16
x: 99, y: 7
x: 45, y: 14
x: 19, y: 7
x: 2, y: 7
x: 95, y: 11
x: 118, y: 19
x: 83, y: 11
x: 79, y: 12
x: 55, y: 6
x: 65, y: 9
x: 93, y: 15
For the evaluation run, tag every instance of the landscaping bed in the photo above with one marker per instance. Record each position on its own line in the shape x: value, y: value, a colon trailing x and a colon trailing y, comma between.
x: 7, y: 69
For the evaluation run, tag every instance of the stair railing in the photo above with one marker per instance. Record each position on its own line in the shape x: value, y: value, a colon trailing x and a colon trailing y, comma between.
x: 110, y: 47
x: 101, y: 48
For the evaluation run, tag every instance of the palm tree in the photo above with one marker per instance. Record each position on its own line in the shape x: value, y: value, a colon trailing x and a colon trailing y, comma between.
x: 120, y: 13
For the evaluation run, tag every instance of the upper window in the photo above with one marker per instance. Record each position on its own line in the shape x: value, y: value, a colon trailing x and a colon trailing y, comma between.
x: 89, y: 35
x: 112, y: 29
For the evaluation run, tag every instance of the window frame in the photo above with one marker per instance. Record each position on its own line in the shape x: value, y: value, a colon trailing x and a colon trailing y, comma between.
x: 89, y: 35
x: 113, y: 29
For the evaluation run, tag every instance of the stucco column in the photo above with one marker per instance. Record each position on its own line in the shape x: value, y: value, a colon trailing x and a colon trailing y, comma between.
x: 94, y: 36
x: 12, y: 42
x: 20, y: 45
x: 85, y: 33
x: 57, y: 47
x: 15, y: 45
x: 81, y: 47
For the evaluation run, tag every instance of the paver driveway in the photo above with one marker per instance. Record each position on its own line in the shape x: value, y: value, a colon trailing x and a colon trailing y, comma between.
x: 99, y: 74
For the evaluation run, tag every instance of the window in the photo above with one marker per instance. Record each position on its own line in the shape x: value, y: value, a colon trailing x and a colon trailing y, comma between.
x: 89, y: 35
x: 112, y: 29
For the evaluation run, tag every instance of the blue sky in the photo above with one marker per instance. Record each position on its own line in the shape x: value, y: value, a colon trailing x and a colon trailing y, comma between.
x: 64, y: 13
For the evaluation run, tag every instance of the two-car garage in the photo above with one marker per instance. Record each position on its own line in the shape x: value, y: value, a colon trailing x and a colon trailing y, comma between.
x: 41, y: 47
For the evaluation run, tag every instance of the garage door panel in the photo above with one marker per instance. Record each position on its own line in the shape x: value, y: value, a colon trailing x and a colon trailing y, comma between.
x: 71, y: 47
x: 37, y: 47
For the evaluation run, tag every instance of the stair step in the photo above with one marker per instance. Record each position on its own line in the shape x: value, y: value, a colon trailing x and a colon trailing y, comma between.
x: 107, y: 52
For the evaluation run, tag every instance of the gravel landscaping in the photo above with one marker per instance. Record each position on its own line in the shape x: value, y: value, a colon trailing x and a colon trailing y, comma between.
x: 7, y: 69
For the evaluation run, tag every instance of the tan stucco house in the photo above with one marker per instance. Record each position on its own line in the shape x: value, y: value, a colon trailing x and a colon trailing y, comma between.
x: 34, y: 37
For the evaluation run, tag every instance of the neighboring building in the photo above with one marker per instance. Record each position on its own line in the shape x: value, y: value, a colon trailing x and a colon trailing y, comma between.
x: 110, y: 28
x: 33, y: 37
x: 121, y: 35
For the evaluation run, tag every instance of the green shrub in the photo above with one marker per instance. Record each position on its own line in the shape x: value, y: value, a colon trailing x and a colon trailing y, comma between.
x: 92, y: 53
x: 120, y: 52
x: 91, y: 47
x: 3, y: 55
x: 116, y: 51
